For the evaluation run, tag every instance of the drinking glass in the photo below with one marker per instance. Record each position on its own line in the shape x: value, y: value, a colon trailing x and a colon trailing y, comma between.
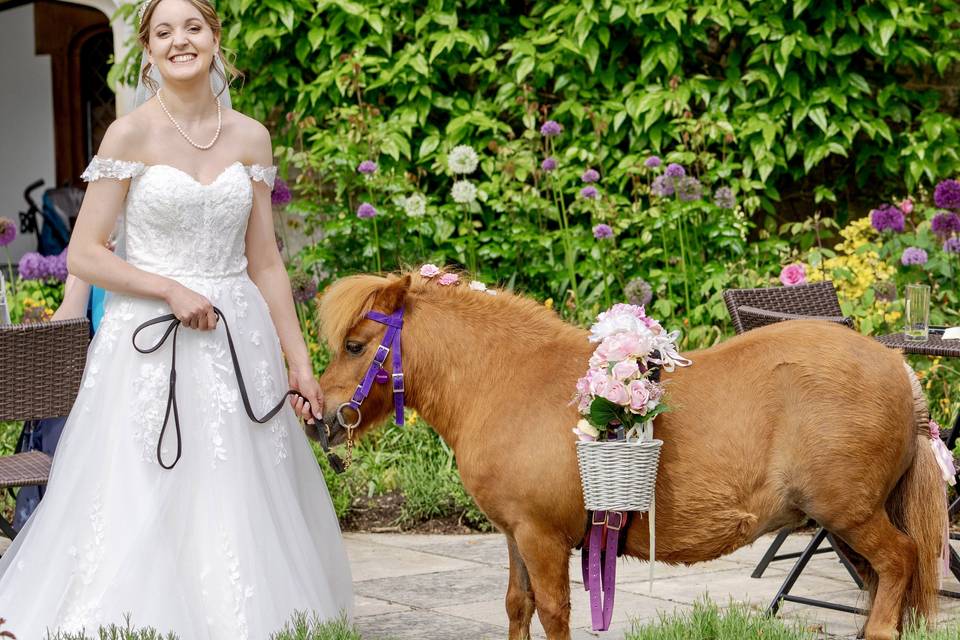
x: 916, y: 312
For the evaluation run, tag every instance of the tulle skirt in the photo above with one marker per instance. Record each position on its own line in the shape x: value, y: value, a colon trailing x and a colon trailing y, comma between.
x: 229, y: 543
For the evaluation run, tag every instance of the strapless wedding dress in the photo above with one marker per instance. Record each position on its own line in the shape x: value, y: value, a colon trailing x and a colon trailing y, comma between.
x: 241, y: 532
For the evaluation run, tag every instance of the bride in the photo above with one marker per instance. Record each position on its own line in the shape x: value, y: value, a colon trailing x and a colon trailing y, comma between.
x: 230, y: 539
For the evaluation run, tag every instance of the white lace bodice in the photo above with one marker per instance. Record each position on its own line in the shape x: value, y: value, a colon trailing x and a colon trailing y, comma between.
x: 176, y: 226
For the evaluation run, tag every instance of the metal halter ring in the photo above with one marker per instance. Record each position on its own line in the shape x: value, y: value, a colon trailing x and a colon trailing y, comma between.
x: 343, y: 421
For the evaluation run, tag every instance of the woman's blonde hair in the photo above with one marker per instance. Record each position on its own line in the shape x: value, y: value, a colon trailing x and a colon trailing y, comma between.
x: 229, y: 72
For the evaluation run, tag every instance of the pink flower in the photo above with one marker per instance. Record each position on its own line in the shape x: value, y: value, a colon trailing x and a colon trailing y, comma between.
x: 906, y: 206
x: 793, y: 274
x: 625, y: 369
x: 639, y: 396
x: 621, y: 346
x: 429, y: 270
x: 448, y: 279
x: 616, y: 393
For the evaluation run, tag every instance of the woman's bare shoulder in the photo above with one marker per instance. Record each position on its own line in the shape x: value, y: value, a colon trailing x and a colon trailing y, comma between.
x: 124, y: 138
x: 254, y: 136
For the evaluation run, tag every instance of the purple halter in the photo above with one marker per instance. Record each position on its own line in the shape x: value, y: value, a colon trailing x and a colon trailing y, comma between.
x: 376, y: 372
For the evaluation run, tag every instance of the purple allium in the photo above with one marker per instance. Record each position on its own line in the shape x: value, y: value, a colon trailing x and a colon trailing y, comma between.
x: 281, y: 194
x: 8, y: 231
x: 589, y: 193
x: 367, y: 167
x: 945, y: 223
x: 57, y: 266
x: 550, y: 128
x: 638, y: 292
x: 590, y: 175
x: 674, y: 170
x: 602, y: 231
x: 689, y: 189
x: 947, y: 194
x: 652, y: 162
x: 304, y: 286
x: 887, y: 218
x: 913, y: 255
x: 366, y: 211
x: 662, y: 186
x: 548, y: 164
x: 952, y: 245
x: 724, y: 198
x: 32, y: 266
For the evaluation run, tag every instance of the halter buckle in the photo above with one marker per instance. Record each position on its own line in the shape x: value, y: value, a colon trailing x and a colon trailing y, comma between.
x: 398, y: 377
x: 380, y: 359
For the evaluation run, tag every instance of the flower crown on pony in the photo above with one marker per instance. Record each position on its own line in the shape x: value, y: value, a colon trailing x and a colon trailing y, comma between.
x: 447, y: 279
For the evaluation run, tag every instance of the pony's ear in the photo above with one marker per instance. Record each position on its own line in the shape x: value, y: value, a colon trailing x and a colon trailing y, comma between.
x: 394, y: 294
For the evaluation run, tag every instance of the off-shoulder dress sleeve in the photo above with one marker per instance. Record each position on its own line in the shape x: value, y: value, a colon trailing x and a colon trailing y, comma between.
x: 101, y: 167
x: 266, y: 175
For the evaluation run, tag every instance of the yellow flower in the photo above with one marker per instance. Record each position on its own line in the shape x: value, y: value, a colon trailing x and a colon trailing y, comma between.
x: 548, y: 303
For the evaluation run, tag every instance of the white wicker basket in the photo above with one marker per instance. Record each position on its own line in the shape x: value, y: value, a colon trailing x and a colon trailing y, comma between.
x: 618, y: 476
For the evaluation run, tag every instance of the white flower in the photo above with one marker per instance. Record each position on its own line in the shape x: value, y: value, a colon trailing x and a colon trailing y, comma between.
x: 462, y: 160
x: 414, y: 205
x: 476, y: 285
x: 464, y: 192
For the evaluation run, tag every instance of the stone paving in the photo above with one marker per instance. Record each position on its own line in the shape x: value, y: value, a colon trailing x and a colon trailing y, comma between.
x: 434, y: 587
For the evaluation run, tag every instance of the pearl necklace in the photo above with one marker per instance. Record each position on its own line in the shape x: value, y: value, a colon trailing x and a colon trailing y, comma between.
x: 202, y: 147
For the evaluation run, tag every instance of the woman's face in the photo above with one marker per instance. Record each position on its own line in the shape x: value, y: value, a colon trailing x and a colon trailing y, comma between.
x: 181, y: 43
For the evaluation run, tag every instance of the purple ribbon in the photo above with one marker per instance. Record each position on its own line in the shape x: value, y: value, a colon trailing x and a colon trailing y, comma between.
x: 376, y: 371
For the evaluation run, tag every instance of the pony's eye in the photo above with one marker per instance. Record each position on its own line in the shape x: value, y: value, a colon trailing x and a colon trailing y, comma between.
x: 354, y: 348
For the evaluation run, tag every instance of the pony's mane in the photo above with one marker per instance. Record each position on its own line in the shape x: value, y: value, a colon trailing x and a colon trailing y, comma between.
x: 345, y: 302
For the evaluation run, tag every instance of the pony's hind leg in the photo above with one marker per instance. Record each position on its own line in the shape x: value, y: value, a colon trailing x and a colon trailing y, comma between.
x: 520, y: 603
x: 547, y: 558
x: 893, y: 555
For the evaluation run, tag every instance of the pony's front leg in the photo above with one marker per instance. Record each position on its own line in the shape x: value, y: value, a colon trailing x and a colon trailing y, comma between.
x: 547, y: 558
x: 519, y: 594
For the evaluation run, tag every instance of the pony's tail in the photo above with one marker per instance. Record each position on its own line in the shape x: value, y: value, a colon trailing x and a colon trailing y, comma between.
x: 918, y: 507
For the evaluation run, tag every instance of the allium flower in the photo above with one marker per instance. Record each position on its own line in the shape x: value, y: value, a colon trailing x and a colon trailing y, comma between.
x: 548, y: 164
x: 638, y: 292
x: 57, y: 266
x: 367, y: 167
x: 662, y: 186
x: 887, y: 218
x: 906, y: 205
x: 947, y: 194
x: 913, y: 255
x: 602, y: 231
x: 952, y: 245
x: 429, y: 270
x: 281, y: 194
x: 32, y: 266
x: 674, y: 170
x: 793, y: 274
x: 8, y: 231
x: 550, y: 128
x: 590, y: 175
x: 366, y: 211
x: 945, y: 223
x: 724, y: 198
x: 652, y: 162
x: 304, y: 286
x: 462, y: 160
x: 589, y: 193
x: 448, y: 279
x: 689, y: 189
x: 414, y: 205
x: 464, y: 192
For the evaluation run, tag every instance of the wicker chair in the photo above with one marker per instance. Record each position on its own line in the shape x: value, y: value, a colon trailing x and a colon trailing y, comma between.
x: 754, y: 308
x: 41, y: 365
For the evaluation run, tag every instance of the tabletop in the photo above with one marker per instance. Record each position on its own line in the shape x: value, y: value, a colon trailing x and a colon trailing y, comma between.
x: 934, y: 345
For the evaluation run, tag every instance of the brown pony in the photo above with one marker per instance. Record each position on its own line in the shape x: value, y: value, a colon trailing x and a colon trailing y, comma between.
x: 797, y: 420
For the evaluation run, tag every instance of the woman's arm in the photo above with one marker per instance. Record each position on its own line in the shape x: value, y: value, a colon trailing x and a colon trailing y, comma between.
x: 268, y: 272
x: 90, y: 260
x: 76, y: 295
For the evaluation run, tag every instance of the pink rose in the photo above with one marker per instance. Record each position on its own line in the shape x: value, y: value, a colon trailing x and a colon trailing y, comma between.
x: 907, y: 206
x: 616, y: 393
x: 429, y: 270
x: 625, y: 369
x: 448, y: 278
x: 639, y: 396
x: 793, y: 274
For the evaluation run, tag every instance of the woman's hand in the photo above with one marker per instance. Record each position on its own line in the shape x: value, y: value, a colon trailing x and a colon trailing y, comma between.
x: 302, y: 380
x: 191, y: 309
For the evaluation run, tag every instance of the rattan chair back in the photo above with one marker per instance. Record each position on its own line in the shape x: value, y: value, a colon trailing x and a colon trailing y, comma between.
x: 752, y: 308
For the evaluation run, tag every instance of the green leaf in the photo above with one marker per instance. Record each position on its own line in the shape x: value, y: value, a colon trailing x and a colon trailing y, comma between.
x: 887, y: 29
x: 848, y: 44
x: 315, y: 36
x: 523, y: 69
x: 602, y: 412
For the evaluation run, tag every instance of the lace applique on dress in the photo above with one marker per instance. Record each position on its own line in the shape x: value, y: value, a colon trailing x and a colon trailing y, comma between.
x: 110, y: 168
x: 266, y: 175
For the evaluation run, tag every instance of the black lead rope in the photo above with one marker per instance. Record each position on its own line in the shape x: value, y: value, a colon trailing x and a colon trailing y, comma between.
x: 174, y: 327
